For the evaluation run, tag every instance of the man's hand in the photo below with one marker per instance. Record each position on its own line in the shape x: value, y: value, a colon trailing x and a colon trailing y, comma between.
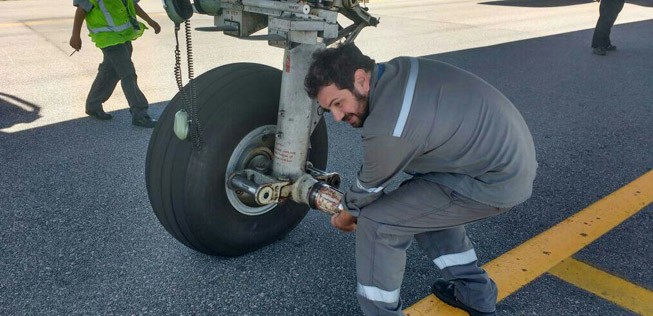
x: 155, y: 26
x: 344, y: 221
x: 76, y: 42
x: 143, y: 15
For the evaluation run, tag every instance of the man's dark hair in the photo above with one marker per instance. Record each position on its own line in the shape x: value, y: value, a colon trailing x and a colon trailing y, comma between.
x: 336, y: 65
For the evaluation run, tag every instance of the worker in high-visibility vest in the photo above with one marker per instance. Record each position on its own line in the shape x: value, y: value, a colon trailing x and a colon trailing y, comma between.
x: 112, y: 25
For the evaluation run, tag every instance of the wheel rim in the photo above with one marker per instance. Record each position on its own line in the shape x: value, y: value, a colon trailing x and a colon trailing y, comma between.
x: 254, y: 151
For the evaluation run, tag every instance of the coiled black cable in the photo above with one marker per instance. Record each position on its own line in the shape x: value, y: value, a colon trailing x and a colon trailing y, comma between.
x: 188, y: 95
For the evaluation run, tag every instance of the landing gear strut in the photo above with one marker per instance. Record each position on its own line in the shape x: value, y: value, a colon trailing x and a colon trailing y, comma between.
x: 262, y: 150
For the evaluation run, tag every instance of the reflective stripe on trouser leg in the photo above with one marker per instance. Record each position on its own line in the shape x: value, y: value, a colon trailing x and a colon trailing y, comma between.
x: 380, y: 265
x: 453, y: 253
x: 429, y: 212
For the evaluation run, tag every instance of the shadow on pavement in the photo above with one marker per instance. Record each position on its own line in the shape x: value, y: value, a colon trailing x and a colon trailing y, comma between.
x: 78, y: 235
x: 12, y: 111
x: 555, y: 3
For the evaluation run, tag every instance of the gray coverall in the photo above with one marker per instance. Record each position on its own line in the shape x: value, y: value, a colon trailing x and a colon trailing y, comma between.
x: 471, y: 156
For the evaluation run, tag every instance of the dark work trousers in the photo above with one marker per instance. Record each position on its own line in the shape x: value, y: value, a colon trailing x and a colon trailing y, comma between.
x: 117, y: 66
x: 435, y: 216
x: 608, y: 12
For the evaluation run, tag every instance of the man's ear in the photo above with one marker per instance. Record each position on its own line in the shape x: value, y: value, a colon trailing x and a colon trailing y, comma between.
x: 362, y: 81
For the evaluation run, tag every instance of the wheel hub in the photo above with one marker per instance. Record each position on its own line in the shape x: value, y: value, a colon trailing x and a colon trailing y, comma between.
x: 254, y: 152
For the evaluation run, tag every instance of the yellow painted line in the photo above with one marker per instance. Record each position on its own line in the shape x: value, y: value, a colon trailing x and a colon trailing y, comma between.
x: 605, y: 285
x: 526, y: 262
x: 431, y: 305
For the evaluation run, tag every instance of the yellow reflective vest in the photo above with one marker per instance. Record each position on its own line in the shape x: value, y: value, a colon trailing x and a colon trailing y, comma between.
x: 113, y: 22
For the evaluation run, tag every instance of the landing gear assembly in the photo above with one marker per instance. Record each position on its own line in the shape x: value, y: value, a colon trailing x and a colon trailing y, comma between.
x: 254, y: 159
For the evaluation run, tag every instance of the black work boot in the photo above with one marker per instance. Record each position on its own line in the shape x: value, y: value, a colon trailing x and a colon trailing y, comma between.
x: 144, y: 121
x: 99, y: 114
x: 444, y: 290
x: 601, y: 51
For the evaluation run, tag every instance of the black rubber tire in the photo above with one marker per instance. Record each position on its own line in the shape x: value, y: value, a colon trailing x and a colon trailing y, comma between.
x: 186, y: 187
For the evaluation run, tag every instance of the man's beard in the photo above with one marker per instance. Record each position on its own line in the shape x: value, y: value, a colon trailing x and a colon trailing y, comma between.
x: 362, y: 100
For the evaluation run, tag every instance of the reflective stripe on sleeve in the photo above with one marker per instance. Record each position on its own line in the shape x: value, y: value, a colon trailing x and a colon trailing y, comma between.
x: 370, y: 190
x: 378, y: 295
x: 408, y: 98
x: 455, y: 259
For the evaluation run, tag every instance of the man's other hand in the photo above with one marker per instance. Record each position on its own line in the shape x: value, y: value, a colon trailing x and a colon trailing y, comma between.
x: 76, y: 42
x: 155, y: 26
x: 344, y: 221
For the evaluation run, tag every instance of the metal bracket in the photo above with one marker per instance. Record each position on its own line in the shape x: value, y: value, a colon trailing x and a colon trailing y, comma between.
x: 265, y: 189
x: 221, y: 28
x: 331, y: 178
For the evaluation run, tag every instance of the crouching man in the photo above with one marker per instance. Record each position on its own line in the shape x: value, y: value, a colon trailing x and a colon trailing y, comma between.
x: 470, y: 154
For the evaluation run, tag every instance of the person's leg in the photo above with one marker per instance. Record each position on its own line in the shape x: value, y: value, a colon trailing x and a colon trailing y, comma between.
x: 120, y: 56
x: 615, y: 8
x: 103, y: 85
x: 608, y: 12
x: 385, y: 230
x: 452, y: 252
x: 602, y: 29
x: 380, y: 264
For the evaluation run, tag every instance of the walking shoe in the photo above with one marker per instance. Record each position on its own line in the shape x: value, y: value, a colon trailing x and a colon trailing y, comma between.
x: 144, y: 121
x: 444, y: 290
x: 599, y: 51
x: 100, y: 115
x: 610, y: 48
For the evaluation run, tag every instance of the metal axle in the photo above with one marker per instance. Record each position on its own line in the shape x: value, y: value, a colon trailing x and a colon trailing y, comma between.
x: 306, y: 189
